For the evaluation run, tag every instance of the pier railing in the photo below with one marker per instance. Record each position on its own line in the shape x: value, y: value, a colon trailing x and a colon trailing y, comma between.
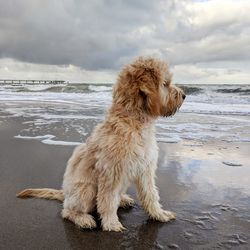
x: 8, y: 81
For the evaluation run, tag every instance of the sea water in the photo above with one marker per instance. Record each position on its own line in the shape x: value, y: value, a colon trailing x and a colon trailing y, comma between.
x: 209, y: 112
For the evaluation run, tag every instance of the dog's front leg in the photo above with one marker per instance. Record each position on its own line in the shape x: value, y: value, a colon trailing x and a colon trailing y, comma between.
x: 108, y: 200
x: 149, y: 197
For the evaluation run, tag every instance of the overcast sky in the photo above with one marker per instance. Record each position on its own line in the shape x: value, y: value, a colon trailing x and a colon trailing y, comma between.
x: 88, y: 41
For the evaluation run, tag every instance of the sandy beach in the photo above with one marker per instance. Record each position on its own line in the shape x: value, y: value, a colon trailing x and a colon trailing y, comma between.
x: 210, y: 196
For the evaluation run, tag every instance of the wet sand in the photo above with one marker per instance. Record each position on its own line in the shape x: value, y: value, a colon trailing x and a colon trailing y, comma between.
x: 211, y: 198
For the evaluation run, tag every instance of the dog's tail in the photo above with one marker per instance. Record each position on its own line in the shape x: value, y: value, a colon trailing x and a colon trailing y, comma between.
x: 46, y: 193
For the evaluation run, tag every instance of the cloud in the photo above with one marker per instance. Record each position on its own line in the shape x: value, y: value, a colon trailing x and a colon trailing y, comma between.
x: 16, y: 70
x: 90, y: 34
x: 212, y: 72
x: 100, y: 36
x: 205, y: 31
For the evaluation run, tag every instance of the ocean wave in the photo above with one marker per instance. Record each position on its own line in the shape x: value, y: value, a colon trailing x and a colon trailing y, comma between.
x: 100, y: 88
x: 216, y: 108
x: 64, y: 88
x: 191, y: 89
x: 245, y: 91
x: 205, y: 99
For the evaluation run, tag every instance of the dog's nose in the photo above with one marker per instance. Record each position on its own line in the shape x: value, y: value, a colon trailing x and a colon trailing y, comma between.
x: 183, y: 96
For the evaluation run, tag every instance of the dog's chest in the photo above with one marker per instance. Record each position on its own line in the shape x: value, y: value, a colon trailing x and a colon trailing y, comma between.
x: 146, y: 151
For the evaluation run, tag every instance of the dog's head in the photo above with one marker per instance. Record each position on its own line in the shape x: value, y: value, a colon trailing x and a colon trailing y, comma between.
x: 145, y: 85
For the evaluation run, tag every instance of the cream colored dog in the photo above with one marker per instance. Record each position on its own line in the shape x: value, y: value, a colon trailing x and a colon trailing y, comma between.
x: 121, y: 150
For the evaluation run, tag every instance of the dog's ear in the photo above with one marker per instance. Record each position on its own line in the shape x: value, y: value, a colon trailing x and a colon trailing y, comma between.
x: 149, y: 93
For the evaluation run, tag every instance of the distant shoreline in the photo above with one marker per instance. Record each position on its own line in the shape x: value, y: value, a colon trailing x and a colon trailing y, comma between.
x: 58, y: 82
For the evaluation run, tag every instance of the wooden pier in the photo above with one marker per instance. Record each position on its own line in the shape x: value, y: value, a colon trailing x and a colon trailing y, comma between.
x: 8, y: 81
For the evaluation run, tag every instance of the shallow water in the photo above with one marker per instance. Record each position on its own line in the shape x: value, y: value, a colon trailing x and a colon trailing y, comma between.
x: 220, y: 112
x: 211, y: 199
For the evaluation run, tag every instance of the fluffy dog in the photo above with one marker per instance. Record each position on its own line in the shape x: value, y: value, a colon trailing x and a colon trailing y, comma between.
x: 121, y: 150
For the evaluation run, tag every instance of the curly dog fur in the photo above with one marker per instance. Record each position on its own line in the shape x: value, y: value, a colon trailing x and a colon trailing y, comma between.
x: 121, y: 150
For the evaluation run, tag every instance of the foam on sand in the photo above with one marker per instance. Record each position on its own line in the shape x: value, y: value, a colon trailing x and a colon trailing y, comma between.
x: 47, y: 139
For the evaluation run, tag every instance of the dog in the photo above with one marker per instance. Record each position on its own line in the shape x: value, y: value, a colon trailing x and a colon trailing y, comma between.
x: 122, y: 150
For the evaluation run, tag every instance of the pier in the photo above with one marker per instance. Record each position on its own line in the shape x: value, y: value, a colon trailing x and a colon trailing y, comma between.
x: 8, y: 81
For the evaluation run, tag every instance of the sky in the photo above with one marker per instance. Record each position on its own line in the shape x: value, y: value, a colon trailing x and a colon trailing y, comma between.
x: 205, y: 41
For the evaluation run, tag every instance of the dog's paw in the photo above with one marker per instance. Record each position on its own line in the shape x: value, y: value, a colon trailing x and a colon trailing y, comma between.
x: 164, y: 216
x: 113, y: 226
x: 86, y: 221
x: 126, y: 201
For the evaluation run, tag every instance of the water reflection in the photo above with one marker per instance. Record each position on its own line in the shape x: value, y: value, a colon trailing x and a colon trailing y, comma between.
x: 201, y: 173
x: 141, y: 235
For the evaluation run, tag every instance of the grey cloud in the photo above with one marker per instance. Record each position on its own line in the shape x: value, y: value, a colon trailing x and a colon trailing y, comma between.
x: 90, y: 34
x: 219, y: 39
x: 97, y: 35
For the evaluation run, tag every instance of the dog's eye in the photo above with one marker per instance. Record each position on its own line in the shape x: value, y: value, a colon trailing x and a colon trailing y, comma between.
x: 165, y: 84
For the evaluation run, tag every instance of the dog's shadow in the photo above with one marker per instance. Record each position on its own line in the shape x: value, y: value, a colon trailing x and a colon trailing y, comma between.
x: 142, y: 234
